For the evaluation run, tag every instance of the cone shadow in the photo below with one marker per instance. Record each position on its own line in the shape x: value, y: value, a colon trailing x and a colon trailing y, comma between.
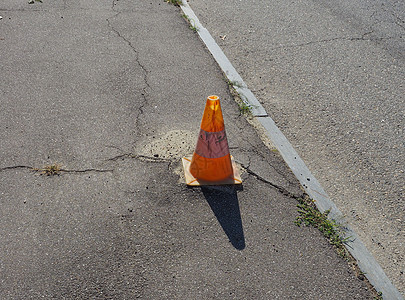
x: 224, y: 203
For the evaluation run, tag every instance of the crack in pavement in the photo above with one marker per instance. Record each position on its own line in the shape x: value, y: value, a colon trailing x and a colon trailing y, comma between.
x: 61, y: 170
x: 262, y: 156
x: 362, y: 38
x: 146, y: 158
x: 144, y: 70
x: 87, y: 170
x: 15, y: 167
x: 112, y: 6
x: 156, y: 160
x: 23, y: 9
x: 140, y: 157
x: 281, y: 189
x: 399, y: 21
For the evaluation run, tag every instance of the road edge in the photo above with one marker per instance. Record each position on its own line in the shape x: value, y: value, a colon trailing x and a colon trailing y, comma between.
x: 365, y: 260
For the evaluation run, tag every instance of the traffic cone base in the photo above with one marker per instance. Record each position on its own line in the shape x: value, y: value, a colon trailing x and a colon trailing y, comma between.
x: 192, y: 181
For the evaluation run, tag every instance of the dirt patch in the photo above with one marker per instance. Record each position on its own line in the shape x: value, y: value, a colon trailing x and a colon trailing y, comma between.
x: 173, y: 145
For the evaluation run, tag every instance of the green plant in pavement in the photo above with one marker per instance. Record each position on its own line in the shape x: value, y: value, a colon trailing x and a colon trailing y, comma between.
x: 191, y: 23
x: 244, y: 108
x: 234, y: 83
x: 309, y: 215
x: 50, y: 170
x: 174, y: 2
x: 379, y: 296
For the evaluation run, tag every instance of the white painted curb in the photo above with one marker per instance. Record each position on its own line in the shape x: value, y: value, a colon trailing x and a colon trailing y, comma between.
x: 226, y: 66
x: 355, y: 246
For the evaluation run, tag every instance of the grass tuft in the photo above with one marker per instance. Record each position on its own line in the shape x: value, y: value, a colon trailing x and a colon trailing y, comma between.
x: 234, y: 83
x: 50, y: 170
x: 309, y: 215
x: 191, y: 23
x: 244, y: 108
x: 174, y: 2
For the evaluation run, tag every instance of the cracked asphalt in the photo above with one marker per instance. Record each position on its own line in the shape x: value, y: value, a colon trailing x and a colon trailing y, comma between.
x: 331, y: 76
x: 114, y: 91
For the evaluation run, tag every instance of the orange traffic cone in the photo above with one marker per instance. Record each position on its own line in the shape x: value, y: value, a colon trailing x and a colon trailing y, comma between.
x: 211, y: 163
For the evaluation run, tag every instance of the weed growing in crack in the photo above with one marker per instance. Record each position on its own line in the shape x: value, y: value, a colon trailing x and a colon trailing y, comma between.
x: 244, y: 108
x: 191, y: 23
x: 193, y: 28
x: 174, y: 2
x: 309, y: 215
x: 50, y: 170
x: 234, y: 83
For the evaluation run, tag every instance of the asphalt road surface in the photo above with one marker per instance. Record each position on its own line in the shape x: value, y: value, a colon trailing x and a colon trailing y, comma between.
x: 113, y: 92
x: 331, y: 75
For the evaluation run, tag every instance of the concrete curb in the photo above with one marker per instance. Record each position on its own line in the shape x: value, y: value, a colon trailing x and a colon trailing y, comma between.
x: 357, y: 249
